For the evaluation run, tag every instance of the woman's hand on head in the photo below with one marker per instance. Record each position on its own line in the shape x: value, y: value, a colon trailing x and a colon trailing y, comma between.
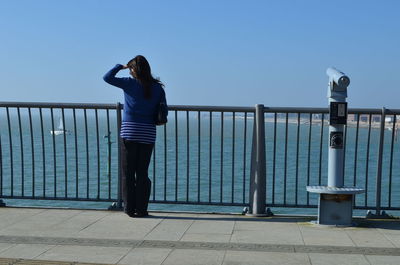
x: 124, y: 66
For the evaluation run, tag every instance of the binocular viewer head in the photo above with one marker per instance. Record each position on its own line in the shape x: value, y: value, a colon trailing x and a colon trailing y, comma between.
x: 339, y: 78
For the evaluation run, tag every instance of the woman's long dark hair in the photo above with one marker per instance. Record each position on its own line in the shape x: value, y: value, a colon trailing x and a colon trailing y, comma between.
x: 142, y: 71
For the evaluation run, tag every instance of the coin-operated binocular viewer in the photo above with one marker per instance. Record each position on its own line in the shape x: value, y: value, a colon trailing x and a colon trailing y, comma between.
x: 335, y: 205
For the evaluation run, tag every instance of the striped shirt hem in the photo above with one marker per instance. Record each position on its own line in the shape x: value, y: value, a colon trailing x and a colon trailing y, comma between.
x: 138, y: 132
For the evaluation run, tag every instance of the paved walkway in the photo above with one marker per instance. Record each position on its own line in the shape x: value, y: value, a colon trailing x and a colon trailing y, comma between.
x: 53, y: 236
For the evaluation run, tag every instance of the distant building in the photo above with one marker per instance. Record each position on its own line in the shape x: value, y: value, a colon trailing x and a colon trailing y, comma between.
x: 374, y: 118
x: 352, y: 117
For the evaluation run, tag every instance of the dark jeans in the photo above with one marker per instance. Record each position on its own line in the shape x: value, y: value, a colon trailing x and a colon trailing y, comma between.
x: 136, y: 185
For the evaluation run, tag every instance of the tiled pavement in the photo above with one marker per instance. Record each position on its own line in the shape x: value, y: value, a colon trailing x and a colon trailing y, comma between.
x: 33, y: 236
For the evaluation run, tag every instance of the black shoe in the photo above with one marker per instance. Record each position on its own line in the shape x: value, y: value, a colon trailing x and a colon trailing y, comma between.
x: 130, y: 214
x: 143, y: 214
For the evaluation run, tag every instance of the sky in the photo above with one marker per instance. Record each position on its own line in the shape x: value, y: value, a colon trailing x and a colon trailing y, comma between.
x: 206, y: 52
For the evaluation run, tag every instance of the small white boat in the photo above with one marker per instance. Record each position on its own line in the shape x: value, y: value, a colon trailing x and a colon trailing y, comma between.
x: 60, y: 129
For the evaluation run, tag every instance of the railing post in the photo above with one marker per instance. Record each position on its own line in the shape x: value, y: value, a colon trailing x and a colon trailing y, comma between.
x: 379, y: 164
x: 258, y: 165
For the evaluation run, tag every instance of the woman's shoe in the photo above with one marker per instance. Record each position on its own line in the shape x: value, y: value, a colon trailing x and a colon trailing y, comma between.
x: 130, y: 214
x: 144, y: 214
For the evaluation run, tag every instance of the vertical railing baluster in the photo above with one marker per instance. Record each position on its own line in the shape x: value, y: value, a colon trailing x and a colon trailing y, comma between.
x: 176, y: 155
x: 33, y: 151
x: 1, y: 168
x: 76, y: 155
x: 309, y: 158
x: 87, y: 153
x: 119, y: 108
x: 285, y: 163
x: 187, y: 156
x: 22, y: 152
x: 198, y: 155
x: 109, y: 153
x: 367, y: 161
x: 65, y: 155
x: 98, y: 153
x: 344, y: 152
x: 210, y: 161
x: 233, y: 157
x: 356, y: 150
x: 274, y: 159
x: 54, y: 152
x: 320, y: 150
x: 297, y: 158
x: 43, y: 152
x: 379, y: 163
x: 11, y: 151
x: 154, y: 173
x: 394, y: 131
x: 221, y: 189
x: 165, y: 162
x: 244, y: 157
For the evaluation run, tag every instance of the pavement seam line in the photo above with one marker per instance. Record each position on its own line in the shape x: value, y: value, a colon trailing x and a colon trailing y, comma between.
x: 309, y: 258
x: 345, y: 231
x: 132, y: 248
x: 379, y: 231
x: 169, y: 253
x: 179, y: 240
x: 101, y: 218
x: 223, y: 258
x: 12, y: 245
x: 68, y: 218
x: 233, y: 231
x: 151, y: 230
x: 369, y: 262
x: 53, y: 246
x: 201, y: 245
x: 301, y: 233
x: 17, y: 261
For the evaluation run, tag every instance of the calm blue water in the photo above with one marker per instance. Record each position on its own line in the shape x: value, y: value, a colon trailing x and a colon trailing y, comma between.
x: 185, y: 168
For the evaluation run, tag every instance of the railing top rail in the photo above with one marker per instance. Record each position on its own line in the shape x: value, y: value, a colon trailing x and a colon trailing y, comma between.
x: 114, y: 106
x: 295, y: 110
x: 211, y: 108
x: 57, y: 105
x: 326, y: 110
x: 196, y: 108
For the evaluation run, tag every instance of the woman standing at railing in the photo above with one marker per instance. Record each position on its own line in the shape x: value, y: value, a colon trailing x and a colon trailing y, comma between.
x: 142, y: 96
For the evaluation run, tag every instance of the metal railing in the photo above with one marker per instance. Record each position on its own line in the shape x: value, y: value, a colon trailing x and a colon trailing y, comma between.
x: 37, y: 163
x: 202, y: 155
x: 297, y: 156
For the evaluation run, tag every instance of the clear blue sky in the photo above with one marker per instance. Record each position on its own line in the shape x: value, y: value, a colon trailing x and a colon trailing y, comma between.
x: 206, y: 52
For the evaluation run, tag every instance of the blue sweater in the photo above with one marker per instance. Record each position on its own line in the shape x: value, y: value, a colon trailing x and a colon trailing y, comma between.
x: 136, y: 107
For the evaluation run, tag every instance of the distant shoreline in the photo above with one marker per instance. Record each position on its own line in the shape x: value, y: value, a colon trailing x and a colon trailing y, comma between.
x: 353, y: 124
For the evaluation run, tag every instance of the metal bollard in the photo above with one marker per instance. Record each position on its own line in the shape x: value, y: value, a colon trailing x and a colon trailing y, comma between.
x: 258, y: 166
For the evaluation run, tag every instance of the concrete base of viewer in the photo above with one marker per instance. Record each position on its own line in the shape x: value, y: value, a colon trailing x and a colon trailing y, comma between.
x: 57, y: 236
x: 335, y: 205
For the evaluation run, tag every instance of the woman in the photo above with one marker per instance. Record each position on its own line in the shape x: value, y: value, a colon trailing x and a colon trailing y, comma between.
x: 142, y: 95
